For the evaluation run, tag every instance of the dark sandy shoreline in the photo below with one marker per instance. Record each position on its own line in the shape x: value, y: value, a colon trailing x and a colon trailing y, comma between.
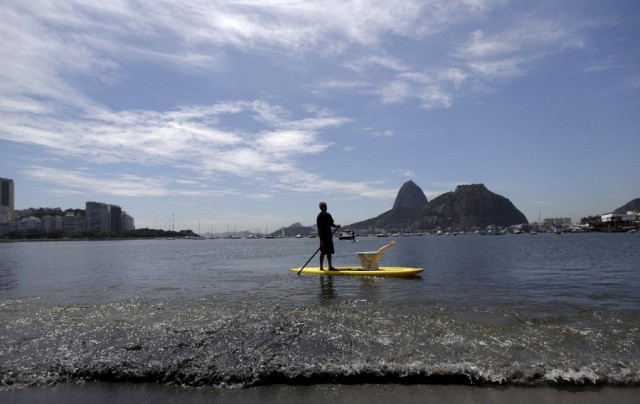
x: 373, y: 393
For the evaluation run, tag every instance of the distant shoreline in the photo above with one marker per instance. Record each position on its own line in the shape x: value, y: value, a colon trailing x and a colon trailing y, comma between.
x: 26, y: 240
x: 29, y: 240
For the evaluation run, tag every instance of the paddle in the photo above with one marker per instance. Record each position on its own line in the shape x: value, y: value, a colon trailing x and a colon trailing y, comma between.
x: 314, y: 254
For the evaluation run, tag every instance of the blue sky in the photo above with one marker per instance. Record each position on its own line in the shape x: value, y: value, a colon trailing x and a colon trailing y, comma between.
x: 246, y: 114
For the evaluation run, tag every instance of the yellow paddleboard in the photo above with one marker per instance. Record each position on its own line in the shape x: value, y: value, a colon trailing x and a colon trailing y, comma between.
x: 357, y: 271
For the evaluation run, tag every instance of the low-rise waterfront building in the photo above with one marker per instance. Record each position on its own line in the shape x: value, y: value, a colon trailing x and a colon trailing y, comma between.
x: 557, y: 222
x: 72, y: 223
x: 617, y: 220
x: 52, y: 223
x: 29, y: 223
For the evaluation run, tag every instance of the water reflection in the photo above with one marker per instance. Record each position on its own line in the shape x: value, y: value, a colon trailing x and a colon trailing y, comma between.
x: 370, y: 288
x: 327, y: 291
x: 8, y: 279
x: 8, y: 276
x: 365, y: 288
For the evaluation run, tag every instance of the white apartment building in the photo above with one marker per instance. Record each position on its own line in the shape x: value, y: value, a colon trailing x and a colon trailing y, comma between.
x: 29, y: 223
x: 52, y: 223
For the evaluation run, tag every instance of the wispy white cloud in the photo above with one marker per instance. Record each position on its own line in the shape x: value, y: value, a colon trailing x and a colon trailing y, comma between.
x: 491, y: 56
x: 76, y: 41
x: 86, y: 181
x: 436, y: 90
x: 512, y: 51
x: 498, y: 69
x: 45, y: 43
x: 385, y: 133
x: 54, y: 53
x: 602, y: 65
x: 405, y: 173
x: 177, y: 28
x: 329, y: 85
x: 453, y: 75
x: 313, y: 183
x: 376, y: 61
x: 81, y: 180
x: 188, y: 137
x: 395, y: 91
x: 632, y: 83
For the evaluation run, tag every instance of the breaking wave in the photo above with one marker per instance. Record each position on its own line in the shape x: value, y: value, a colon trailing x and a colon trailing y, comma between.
x: 211, y: 343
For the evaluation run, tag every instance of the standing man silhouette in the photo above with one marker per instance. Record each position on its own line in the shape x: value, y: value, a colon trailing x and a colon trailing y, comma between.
x: 325, y: 224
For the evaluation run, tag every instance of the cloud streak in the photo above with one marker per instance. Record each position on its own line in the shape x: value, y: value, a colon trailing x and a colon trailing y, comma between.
x: 55, y: 54
x: 45, y: 42
x: 188, y: 138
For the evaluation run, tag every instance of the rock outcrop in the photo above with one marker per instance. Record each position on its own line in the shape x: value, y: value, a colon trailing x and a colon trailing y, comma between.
x: 410, y: 196
x: 469, y: 206
x: 406, y: 210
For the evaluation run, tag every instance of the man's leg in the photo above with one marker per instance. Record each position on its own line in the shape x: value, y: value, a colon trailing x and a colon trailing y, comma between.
x: 322, y: 261
x: 329, y: 261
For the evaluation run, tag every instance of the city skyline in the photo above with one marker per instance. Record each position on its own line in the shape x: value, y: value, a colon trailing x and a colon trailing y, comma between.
x: 96, y: 217
x: 248, y: 115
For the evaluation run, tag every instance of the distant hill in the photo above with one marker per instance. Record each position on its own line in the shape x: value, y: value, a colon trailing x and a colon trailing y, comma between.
x: 467, y: 207
x: 406, y: 210
x: 294, y: 230
x: 629, y: 206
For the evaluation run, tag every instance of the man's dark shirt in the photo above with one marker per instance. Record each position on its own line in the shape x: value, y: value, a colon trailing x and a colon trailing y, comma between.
x: 324, y: 223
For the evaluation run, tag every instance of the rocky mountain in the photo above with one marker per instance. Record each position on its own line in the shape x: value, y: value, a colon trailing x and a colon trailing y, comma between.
x: 629, y: 206
x: 406, y: 210
x: 467, y: 207
x: 410, y: 196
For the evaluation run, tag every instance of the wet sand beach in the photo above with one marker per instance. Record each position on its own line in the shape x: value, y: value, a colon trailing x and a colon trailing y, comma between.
x: 326, y: 393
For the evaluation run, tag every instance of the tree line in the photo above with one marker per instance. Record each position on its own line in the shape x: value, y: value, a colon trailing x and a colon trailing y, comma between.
x: 37, y: 234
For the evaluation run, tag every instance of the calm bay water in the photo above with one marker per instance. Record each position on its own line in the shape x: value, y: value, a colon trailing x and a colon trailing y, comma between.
x: 523, y: 310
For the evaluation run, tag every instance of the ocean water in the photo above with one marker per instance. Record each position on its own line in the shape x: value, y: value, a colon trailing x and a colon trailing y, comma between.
x: 525, y: 310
